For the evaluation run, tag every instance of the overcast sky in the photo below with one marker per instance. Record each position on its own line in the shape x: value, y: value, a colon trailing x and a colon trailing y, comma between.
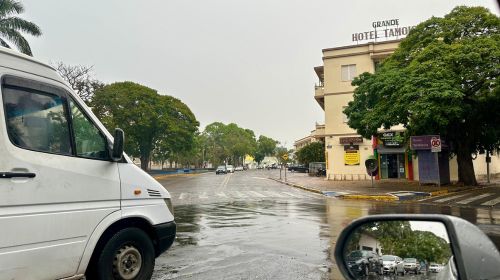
x: 247, y: 62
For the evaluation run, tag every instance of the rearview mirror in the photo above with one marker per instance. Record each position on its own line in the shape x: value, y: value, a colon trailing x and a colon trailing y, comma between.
x: 375, y: 245
x: 119, y: 138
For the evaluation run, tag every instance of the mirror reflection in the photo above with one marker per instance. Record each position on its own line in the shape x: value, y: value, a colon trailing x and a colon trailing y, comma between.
x: 400, y: 250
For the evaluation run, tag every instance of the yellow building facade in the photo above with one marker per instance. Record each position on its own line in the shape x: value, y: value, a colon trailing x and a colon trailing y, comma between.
x: 345, y: 150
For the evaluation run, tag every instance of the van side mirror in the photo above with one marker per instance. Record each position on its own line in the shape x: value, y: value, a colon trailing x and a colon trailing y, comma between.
x: 117, y: 152
x: 467, y: 252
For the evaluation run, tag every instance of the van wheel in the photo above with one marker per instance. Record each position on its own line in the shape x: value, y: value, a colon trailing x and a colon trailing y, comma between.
x: 128, y: 255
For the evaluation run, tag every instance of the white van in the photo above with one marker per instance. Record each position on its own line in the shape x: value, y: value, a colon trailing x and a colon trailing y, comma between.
x: 71, y: 202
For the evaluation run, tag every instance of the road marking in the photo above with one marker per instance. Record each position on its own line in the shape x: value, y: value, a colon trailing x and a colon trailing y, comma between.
x: 491, y: 202
x: 182, y: 196
x: 290, y: 194
x: 466, y: 201
x: 240, y: 194
x: 273, y: 194
x: 450, y: 198
x: 203, y: 195
x: 260, y: 178
x: 221, y: 194
x: 256, y: 194
x: 225, y: 181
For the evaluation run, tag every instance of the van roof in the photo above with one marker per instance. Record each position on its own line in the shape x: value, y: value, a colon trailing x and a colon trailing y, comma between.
x: 17, y: 61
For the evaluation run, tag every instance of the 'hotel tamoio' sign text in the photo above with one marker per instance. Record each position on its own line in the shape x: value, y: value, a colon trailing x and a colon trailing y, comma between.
x: 383, y: 30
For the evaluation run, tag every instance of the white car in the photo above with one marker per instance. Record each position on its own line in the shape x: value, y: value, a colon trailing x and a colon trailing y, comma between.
x: 393, y: 265
x: 238, y: 168
x: 230, y: 168
x: 71, y: 202
x: 434, y: 267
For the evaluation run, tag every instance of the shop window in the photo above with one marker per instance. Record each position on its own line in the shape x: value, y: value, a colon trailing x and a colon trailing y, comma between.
x: 348, y: 72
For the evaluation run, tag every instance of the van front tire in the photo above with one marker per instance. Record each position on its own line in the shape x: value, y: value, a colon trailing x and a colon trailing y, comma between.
x: 129, y: 254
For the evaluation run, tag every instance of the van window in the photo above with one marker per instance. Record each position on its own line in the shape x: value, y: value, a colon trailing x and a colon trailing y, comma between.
x: 36, y: 120
x: 89, y: 141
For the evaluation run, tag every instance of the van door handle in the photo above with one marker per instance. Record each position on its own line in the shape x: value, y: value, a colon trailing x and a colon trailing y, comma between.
x: 8, y: 175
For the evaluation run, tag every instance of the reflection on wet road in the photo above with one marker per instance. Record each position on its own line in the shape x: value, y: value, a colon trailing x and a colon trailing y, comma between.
x: 243, y: 226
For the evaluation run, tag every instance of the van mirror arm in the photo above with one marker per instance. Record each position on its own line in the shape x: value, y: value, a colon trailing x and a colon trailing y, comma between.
x: 119, y: 138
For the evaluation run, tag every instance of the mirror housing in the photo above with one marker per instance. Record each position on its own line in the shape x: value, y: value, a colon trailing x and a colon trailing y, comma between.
x: 475, y: 255
x: 119, y: 139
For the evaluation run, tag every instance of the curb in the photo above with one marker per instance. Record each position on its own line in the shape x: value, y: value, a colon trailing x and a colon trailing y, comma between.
x: 174, y: 175
x: 391, y: 196
x: 379, y: 197
x: 298, y: 186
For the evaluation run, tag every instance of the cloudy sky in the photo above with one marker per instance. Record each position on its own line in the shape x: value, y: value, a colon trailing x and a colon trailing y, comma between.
x: 247, y: 62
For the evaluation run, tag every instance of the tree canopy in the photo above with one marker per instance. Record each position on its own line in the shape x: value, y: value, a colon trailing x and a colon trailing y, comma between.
x: 442, y: 79
x: 398, y: 238
x: 314, y: 152
x: 11, y: 26
x: 265, y: 147
x: 228, y: 143
x: 150, y: 121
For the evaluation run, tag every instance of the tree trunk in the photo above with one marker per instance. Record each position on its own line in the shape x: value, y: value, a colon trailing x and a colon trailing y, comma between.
x: 466, y: 173
x: 144, y: 162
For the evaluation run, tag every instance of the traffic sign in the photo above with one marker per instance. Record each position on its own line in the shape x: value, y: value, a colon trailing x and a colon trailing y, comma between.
x: 284, y: 157
x: 435, y: 144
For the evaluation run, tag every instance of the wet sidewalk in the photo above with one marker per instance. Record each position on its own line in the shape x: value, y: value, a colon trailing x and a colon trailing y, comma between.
x: 362, y: 189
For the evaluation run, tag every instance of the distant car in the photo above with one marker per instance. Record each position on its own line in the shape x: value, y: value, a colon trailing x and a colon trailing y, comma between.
x: 239, y: 168
x: 230, y: 168
x: 434, y: 267
x: 364, y: 262
x: 298, y: 168
x: 393, y: 265
x: 221, y: 169
x: 412, y: 264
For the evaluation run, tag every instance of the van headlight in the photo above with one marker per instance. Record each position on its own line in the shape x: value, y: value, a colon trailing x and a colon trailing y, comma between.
x: 168, y: 201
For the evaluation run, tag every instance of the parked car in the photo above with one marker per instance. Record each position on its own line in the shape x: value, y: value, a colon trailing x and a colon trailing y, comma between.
x: 298, y: 168
x: 365, y: 262
x: 72, y: 203
x: 230, y: 168
x: 434, y: 267
x: 393, y: 265
x: 412, y: 264
x: 221, y: 169
x: 239, y: 168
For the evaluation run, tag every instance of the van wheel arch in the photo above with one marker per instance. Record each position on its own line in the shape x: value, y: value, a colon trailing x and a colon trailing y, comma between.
x: 133, y: 222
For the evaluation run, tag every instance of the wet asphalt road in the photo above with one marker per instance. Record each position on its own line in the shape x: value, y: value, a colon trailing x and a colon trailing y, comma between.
x: 245, y: 226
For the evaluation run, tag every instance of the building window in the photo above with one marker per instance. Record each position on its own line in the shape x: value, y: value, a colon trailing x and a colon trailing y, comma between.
x: 345, y: 119
x: 348, y: 72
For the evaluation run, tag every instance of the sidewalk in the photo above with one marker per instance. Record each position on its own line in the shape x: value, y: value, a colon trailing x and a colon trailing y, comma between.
x: 382, y: 190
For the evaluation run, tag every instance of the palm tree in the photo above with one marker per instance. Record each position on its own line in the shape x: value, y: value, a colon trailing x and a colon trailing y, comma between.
x: 11, y: 26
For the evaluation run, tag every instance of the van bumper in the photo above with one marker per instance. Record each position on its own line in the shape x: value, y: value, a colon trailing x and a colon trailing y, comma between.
x: 165, y: 234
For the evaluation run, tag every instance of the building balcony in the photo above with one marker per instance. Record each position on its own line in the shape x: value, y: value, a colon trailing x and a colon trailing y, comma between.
x: 319, y: 95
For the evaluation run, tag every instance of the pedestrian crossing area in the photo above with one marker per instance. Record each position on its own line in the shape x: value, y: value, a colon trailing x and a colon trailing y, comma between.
x: 470, y: 198
x: 245, y: 195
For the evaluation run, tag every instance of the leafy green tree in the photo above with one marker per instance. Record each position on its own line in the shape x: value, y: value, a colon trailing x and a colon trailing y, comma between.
x: 398, y: 238
x: 265, y: 147
x: 149, y: 120
x: 314, y: 152
x: 214, y: 142
x: 11, y: 26
x: 443, y: 79
x: 228, y: 143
